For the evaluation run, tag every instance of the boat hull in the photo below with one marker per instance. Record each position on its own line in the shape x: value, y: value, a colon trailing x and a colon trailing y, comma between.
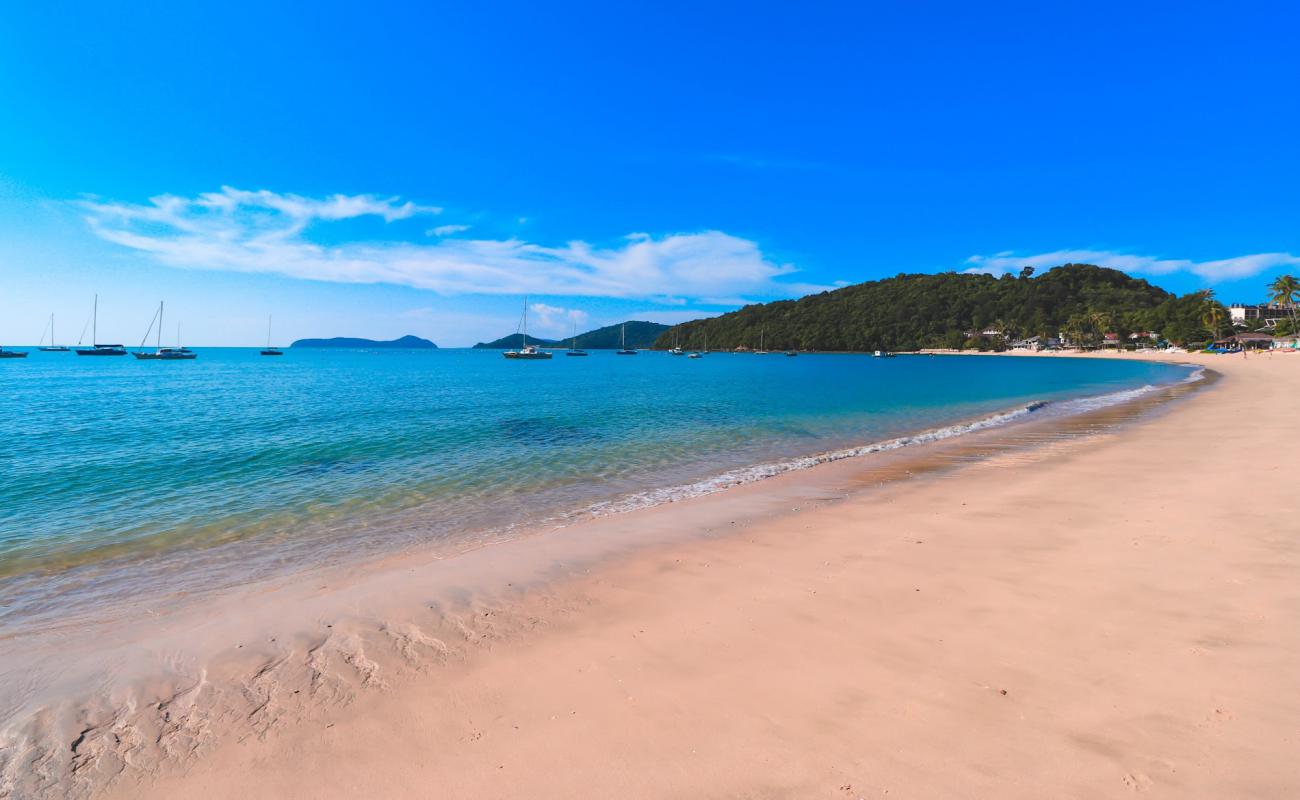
x: 100, y: 352
x: 13, y: 354
x: 576, y: 353
x: 527, y: 356
x: 272, y: 352
x: 55, y: 349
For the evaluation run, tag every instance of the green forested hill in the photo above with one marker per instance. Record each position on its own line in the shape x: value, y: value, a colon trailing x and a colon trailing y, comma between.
x: 639, y: 334
x: 908, y: 312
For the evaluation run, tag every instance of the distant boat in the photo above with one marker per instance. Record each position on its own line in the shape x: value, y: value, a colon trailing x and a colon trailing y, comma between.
x: 761, y: 351
x: 51, y: 347
x: 161, y: 353
x: 573, y: 344
x: 791, y: 353
x: 95, y: 348
x: 623, y: 351
x: 695, y: 355
x: 526, y: 351
x: 270, y: 351
x: 676, y: 348
x: 883, y: 354
x: 12, y: 353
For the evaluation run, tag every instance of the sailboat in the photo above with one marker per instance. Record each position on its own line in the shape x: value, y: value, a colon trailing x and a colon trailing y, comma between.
x: 97, y: 349
x: 700, y: 353
x: 676, y: 348
x: 573, y: 344
x: 270, y: 351
x: 622, y: 350
x: 161, y: 353
x: 51, y: 347
x: 761, y: 351
x: 526, y: 351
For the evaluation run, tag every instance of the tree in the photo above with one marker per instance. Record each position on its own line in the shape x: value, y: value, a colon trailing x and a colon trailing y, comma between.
x: 1284, y: 292
x: 1212, y: 314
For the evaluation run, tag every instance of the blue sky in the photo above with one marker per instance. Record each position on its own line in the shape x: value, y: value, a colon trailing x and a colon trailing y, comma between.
x: 412, y: 168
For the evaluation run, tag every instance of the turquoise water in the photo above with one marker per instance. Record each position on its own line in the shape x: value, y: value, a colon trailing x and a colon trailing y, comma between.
x: 115, y: 473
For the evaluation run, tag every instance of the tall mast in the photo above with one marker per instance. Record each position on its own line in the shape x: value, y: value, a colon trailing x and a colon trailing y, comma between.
x: 160, y: 310
x: 94, y: 331
x: 524, y: 340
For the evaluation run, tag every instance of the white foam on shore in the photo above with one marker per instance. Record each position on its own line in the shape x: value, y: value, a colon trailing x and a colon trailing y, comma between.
x: 758, y: 472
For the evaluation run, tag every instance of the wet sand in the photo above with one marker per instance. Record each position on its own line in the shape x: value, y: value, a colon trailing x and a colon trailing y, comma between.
x: 1060, y: 616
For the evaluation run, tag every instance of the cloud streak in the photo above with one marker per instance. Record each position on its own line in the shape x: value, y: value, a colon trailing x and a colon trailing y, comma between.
x: 234, y: 230
x: 1227, y: 269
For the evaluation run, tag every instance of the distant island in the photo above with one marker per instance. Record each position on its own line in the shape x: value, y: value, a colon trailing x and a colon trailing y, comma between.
x: 404, y: 343
x: 640, y: 334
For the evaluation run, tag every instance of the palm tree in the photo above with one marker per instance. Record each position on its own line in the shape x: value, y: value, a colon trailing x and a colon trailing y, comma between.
x: 1283, y: 292
x: 1211, y: 314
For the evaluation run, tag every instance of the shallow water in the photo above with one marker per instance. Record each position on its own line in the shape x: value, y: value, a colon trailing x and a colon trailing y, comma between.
x: 119, y: 476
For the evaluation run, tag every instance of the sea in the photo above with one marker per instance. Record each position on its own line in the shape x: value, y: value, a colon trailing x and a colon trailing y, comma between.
x: 121, y: 477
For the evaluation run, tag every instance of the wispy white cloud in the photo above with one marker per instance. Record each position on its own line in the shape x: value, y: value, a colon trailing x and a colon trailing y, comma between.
x: 1226, y: 269
x: 554, y: 320
x: 447, y: 230
x: 265, y: 232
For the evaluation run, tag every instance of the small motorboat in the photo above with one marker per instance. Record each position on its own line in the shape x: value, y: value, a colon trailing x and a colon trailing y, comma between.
x: 12, y: 353
x: 694, y: 355
x: 791, y: 353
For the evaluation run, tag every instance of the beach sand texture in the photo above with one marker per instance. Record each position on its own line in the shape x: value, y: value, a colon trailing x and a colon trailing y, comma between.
x: 1117, y: 614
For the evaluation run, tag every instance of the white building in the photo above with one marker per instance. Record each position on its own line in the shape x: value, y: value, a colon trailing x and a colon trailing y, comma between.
x: 1241, y: 314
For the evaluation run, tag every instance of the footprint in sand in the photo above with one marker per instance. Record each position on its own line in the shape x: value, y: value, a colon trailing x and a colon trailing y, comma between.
x: 1137, y: 781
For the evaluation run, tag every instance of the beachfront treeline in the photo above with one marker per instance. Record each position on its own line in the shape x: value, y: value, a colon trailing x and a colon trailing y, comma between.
x: 908, y: 312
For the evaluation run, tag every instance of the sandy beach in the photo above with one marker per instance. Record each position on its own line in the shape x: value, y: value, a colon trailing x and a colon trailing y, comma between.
x: 1085, y: 617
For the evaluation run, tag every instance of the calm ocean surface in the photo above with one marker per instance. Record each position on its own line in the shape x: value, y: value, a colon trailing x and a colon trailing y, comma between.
x: 117, y: 474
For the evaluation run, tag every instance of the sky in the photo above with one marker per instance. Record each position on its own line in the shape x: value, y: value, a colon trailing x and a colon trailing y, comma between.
x: 419, y: 168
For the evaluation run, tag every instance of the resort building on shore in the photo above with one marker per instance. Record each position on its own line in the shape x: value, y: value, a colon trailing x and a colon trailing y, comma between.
x: 1243, y: 314
x: 1246, y: 340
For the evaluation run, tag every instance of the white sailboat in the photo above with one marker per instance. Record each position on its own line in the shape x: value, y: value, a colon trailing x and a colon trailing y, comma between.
x: 761, y: 351
x: 51, y: 347
x: 622, y: 350
x: 526, y: 351
x: 574, y: 350
x: 160, y: 353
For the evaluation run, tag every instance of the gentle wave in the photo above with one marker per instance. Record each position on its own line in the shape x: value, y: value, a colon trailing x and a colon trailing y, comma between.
x: 758, y: 472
